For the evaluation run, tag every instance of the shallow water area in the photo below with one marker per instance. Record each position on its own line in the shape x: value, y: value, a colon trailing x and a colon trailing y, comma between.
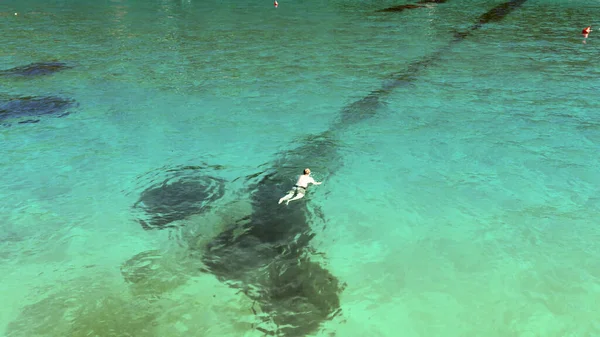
x: 464, y: 204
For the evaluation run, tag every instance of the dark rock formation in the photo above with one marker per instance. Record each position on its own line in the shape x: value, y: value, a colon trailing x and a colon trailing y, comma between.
x: 184, y: 193
x: 401, y: 8
x: 31, y: 109
x: 36, y: 69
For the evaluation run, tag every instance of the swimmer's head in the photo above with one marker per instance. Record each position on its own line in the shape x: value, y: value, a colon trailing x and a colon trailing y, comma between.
x: 306, y: 171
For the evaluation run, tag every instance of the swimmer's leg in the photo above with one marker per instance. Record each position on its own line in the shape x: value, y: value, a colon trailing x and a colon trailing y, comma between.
x: 288, y: 196
x: 298, y: 196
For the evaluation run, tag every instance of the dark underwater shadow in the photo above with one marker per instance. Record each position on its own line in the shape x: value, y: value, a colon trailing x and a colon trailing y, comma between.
x: 181, y: 193
x: 35, y: 69
x: 31, y: 109
x: 267, y: 254
x: 419, y: 4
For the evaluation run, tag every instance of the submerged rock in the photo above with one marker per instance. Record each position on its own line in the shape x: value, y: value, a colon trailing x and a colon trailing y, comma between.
x: 420, y: 4
x: 36, y: 69
x: 399, y: 8
x: 86, y: 308
x: 29, y: 109
x: 185, y: 193
x: 267, y: 254
x: 153, y: 273
x: 300, y: 295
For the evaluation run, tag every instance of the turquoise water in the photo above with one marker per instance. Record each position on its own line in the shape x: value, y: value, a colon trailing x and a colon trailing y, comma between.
x: 466, y: 206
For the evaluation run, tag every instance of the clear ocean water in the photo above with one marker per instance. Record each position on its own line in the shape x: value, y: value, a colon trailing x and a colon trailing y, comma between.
x: 467, y: 205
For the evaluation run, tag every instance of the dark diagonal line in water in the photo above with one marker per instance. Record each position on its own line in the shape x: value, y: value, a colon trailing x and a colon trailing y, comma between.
x: 370, y: 104
x: 419, y: 4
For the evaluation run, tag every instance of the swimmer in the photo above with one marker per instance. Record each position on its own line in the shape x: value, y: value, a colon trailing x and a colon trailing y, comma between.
x: 299, y: 190
x: 585, y: 32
